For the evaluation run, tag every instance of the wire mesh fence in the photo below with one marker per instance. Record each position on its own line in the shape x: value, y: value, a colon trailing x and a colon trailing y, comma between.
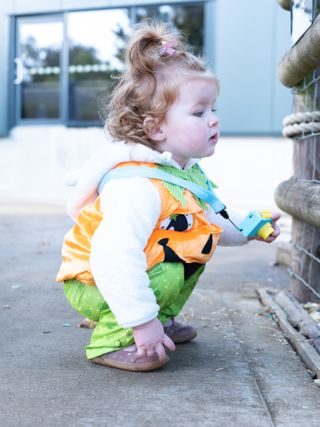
x: 305, y: 266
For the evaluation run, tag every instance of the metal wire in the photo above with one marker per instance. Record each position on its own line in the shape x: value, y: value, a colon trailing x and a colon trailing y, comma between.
x: 301, y: 138
x: 310, y: 180
x: 301, y: 280
x: 305, y: 252
x: 307, y: 85
x: 310, y: 170
x: 312, y: 258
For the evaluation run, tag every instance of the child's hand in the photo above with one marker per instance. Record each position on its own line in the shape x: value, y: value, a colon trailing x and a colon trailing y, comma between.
x: 275, y: 217
x: 150, y: 338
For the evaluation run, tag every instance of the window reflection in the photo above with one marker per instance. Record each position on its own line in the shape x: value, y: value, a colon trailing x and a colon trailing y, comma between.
x: 39, y: 51
x: 188, y: 18
x: 97, y: 42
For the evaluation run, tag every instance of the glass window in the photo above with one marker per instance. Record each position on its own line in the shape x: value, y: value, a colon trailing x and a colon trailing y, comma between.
x: 188, y: 18
x: 38, y: 65
x: 94, y: 56
x: 52, y: 86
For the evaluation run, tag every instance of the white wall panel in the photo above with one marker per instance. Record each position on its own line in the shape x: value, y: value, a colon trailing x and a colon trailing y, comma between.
x: 246, y: 40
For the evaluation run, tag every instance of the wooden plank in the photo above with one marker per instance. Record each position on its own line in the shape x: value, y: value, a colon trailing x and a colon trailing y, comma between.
x: 299, y: 318
x: 300, y: 198
x: 306, y: 352
x: 285, y: 4
x: 302, y: 58
x: 295, y: 313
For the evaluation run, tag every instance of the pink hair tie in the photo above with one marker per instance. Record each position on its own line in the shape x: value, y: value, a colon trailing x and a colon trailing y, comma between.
x: 167, y: 49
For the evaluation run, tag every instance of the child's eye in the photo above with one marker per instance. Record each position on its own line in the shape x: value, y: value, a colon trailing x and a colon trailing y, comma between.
x: 214, y: 110
x: 198, y: 113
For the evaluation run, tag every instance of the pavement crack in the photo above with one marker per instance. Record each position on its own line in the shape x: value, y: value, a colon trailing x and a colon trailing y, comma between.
x: 251, y: 369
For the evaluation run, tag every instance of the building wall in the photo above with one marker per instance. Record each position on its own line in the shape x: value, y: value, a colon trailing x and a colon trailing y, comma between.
x: 35, y: 159
x: 243, y: 46
x: 250, y: 40
x: 243, y: 43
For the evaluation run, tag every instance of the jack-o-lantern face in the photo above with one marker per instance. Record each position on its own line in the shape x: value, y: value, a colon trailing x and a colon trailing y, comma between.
x: 190, y: 246
x: 171, y: 256
x: 177, y: 222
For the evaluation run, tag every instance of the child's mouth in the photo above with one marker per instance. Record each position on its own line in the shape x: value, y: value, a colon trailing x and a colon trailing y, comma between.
x: 214, y: 138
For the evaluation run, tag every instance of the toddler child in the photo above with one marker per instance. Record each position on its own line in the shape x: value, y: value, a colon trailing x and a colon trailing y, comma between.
x: 140, y: 244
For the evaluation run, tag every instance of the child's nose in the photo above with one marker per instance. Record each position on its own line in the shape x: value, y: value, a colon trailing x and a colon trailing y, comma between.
x: 214, y: 121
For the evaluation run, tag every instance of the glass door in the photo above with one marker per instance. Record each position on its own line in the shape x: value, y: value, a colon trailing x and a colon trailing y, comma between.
x: 95, y: 55
x: 38, y: 74
x: 188, y: 18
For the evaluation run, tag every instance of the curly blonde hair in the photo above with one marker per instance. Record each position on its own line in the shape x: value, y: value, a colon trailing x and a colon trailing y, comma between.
x: 149, y: 83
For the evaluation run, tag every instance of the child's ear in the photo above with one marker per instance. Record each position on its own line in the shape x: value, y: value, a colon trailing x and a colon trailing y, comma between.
x: 153, y: 129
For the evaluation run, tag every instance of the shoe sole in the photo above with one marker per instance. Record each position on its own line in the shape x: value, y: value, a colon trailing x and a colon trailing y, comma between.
x: 128, y: 367
x: 185, y: 338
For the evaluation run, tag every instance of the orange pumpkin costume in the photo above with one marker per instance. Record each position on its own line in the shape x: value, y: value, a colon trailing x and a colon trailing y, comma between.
x: 195, y: 245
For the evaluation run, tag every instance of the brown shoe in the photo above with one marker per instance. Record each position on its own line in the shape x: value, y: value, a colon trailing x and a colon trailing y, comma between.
x: 128, y: 361
x: 179, y: 333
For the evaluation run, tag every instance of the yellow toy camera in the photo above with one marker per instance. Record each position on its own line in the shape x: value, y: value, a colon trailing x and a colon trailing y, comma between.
x: 257, y: 223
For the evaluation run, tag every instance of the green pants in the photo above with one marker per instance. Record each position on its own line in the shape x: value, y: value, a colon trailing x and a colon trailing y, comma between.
x: 170, y: 289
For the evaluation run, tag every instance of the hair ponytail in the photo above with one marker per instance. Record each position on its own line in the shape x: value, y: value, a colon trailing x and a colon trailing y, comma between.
x: 144, y: 50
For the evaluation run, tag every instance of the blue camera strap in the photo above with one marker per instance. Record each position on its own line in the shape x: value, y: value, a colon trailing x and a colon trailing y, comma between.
x: 207, y: 195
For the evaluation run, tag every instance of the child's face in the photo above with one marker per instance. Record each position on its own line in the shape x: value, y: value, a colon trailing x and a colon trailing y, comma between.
x: 191, y: 127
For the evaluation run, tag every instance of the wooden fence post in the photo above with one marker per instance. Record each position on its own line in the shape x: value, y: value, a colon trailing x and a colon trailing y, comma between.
x: 300, y: 195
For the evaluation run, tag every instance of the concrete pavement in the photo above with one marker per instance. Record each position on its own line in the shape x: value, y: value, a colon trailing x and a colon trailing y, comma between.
x: 239, y: 371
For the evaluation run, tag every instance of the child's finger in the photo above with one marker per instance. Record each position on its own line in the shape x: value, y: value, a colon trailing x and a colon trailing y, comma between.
x: 269, y: 239
x: 273, y: 236
x: 141, y: 352
x: 160, y: 351
x: 168, y: 343
x: 275, y: 216
x: 150, y: 351
x: 276, y: 233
